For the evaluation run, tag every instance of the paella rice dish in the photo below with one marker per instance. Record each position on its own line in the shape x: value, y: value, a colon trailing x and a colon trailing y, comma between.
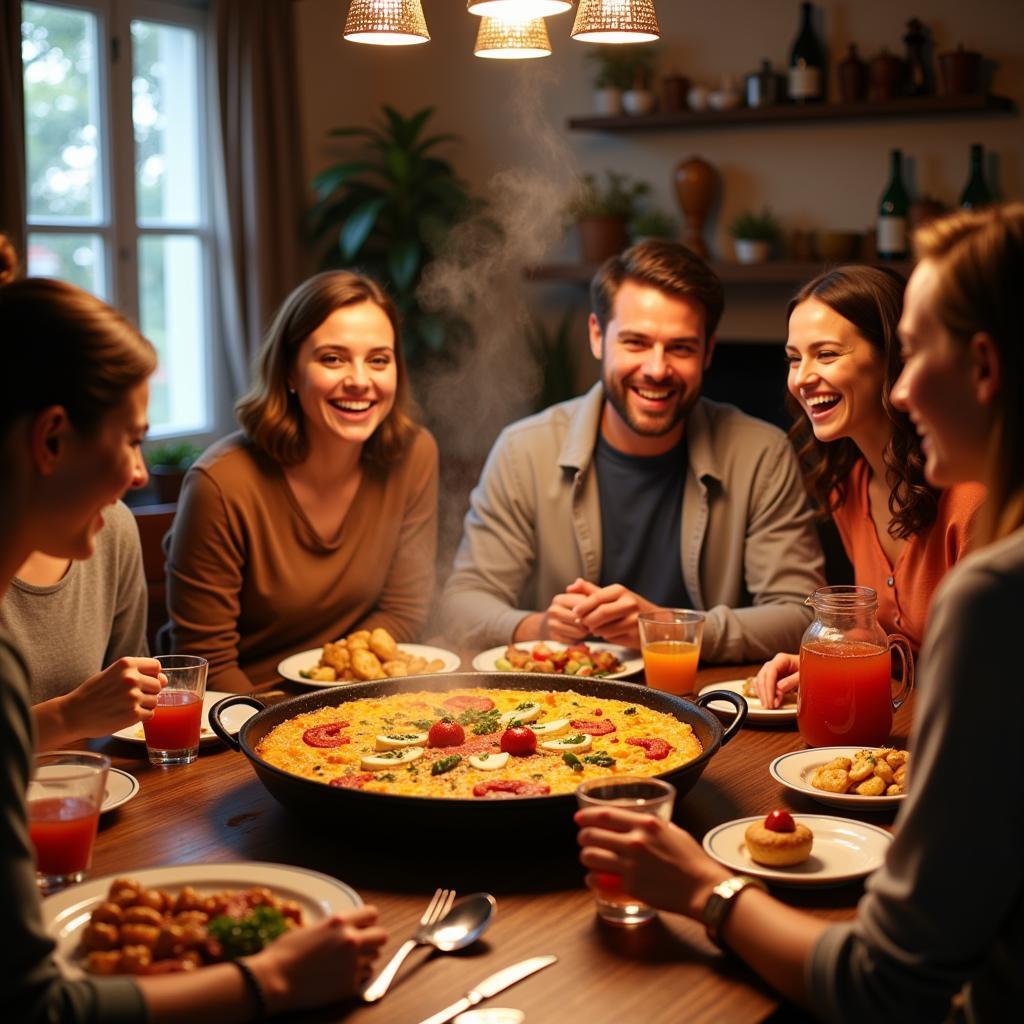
x: 478, y: 743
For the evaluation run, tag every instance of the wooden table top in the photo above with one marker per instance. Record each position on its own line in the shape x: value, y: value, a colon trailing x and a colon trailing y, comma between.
x: 216, y: 810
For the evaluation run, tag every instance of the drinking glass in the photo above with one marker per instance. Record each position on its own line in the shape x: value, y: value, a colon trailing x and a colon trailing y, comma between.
x: 846, y: 692
x: 64, y: 801
x: 647, y: 796
x: 670, y: 645
x: 172, y: 734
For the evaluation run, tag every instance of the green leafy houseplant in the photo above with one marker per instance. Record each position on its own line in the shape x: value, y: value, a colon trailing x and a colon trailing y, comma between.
x: 652, y: 223
x: 755, y: 227
x: 391, y: 208
x: 552, y: 349
x: 622, y: 67
x: 617, y: 199
x: 168, y: 464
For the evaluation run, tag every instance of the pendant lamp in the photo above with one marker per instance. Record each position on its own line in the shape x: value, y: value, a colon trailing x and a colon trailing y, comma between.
x: 518, y: 9
x: 503, y: 39
x: 616, y: 21
x: 386, y: 23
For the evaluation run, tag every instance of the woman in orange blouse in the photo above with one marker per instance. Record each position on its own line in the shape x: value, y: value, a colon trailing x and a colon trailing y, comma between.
x: 863, y: 461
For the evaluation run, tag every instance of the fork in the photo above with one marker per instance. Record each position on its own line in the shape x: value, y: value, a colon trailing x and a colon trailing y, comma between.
x: 438, y: 906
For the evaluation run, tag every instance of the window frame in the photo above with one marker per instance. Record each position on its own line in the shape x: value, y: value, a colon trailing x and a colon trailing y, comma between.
x: 121, y: 230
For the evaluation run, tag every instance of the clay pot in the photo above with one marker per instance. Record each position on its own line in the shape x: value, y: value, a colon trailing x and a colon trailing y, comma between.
x: 886, y: 74
x: 961, y: 71
x: 853, y: 77
x: 601, y: 237
x: 673, y: 92
x: 696, y: 188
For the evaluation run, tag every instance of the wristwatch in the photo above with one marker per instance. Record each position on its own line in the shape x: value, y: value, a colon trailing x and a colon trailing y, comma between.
x: 721, y: 901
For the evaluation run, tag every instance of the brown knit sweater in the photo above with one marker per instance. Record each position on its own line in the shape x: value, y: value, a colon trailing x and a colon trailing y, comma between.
x: 249, y: 581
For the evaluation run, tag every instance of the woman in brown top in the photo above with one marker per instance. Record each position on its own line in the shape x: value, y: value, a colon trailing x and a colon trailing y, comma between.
x: 320, y: 517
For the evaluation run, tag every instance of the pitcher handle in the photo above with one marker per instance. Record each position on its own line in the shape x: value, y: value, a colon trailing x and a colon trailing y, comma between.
x: 899, y: 643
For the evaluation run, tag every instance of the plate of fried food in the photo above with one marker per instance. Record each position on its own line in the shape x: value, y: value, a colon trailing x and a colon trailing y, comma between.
x: 598, y: 660
x: 362, y: 656
x: 163, y: 920
x: 866, y: 778
x: 757, y: 712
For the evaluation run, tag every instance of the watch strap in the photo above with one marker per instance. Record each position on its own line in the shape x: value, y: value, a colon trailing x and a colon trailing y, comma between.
x: 721, y: 901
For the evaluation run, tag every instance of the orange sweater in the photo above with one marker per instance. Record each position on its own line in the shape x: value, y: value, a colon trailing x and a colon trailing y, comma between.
x: 249, y: 581
x: 905, y: 589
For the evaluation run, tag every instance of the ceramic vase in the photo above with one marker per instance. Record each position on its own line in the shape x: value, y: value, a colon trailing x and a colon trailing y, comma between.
x: 751, y: 250
x: 696, y: 183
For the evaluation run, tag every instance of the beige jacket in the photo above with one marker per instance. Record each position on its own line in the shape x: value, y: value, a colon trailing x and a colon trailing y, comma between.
x: 750, y: 553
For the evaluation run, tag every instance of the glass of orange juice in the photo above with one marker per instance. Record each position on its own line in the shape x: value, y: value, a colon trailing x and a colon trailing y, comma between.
x: 64, y: 801
x: 670, y: 643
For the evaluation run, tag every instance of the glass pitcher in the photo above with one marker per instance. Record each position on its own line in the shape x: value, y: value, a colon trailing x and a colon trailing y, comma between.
x: 846, y: 687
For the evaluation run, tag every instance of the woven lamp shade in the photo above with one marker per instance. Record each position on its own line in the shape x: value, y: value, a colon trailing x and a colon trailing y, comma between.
x: 520, y: 9
x: 616, y: 21
x: 502, y: 39
x: 386, y: 22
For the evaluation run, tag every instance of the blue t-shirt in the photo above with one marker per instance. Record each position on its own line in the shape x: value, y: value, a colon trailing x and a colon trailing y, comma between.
x: 641, y: 522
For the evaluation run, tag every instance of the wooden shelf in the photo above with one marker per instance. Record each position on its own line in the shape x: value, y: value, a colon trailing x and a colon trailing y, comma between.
x: 905, y: 106
x: 774, y: 272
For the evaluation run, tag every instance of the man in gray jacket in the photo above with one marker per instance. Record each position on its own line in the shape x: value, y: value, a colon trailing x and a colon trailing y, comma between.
x: 640, y: 494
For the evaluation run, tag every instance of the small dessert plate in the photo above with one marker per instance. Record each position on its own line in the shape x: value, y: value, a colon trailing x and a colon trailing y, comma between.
x: 756, y: 712
x: 843, y: 851
x: 121, y: 787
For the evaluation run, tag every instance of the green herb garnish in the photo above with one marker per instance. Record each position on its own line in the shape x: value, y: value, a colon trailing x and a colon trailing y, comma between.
x: 573, y: 762
x: 423, y: 723
x: 600, y: 758
x: 247, y: 935
x: 445, y: 764
x: 402, y: 736
x: 574, y: 740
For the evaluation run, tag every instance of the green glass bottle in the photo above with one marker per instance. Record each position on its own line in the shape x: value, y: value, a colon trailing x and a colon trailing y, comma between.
x: 977, y: 192
x: 891, y: 234
x: 806, y: 82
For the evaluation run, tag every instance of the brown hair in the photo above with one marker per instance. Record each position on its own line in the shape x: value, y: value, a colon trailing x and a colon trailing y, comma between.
x: 870, y: 298
x: 667, y: 266
x: 60, y: 345
x: 979, y: 258
x: 272, y: 418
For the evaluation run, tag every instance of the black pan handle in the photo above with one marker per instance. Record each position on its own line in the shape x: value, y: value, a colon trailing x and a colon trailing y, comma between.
x: 735, y: 699
x: 237, y: 700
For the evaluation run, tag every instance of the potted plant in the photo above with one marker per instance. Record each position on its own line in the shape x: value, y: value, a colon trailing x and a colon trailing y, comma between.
x: 619, y: 69
x: 391, y: 207
x: 167, y: 464
x: 651, y: 223
x: 639, y: 98
x: 602, y: 214
x: 754, y: 234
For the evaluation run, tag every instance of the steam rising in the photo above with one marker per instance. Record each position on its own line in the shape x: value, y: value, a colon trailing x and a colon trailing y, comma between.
x: 482, y: 280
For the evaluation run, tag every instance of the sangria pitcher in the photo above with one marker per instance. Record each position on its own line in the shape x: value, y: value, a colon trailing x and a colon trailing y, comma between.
x: 846, y: 687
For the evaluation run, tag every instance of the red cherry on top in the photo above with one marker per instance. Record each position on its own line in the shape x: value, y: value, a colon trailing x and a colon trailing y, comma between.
x: 780, y: 821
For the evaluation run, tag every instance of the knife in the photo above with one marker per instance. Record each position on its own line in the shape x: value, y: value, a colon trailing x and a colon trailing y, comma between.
x: 491, y: 986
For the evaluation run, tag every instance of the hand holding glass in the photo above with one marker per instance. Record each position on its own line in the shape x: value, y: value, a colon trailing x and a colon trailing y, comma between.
x: 64, y: 801
x: 646, y: 796
x: 172, y: 734
x: 670, y: 644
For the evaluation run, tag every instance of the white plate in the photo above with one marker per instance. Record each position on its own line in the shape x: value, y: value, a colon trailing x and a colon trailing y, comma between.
x: 756, y: 712
x: 794, y: 771
x: 843, y: 850
x: 66, y: 913
x: 290, y: 667
x: 629, y: 656
x: 121, y: 787
x: 234, y: 719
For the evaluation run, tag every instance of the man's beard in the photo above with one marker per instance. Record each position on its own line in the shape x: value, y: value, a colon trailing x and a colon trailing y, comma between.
x: 647, y: 426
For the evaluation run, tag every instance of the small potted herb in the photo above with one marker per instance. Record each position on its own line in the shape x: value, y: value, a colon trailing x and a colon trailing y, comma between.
x: 602, y: 214
x: 620, y: 69
x: 652, y: 223
x: 167, y: 464
x: 754, y: 234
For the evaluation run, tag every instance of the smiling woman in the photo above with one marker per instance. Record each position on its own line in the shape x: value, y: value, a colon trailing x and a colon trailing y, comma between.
x: 320, y: 518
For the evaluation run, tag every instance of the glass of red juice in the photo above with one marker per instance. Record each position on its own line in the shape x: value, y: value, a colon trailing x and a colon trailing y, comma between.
x: 846, y: 683
x: 172, y: 733
x: 646, y: 796
x: 64, y: 801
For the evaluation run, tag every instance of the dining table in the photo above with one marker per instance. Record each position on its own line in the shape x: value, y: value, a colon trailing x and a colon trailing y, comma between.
x: 216, y: 810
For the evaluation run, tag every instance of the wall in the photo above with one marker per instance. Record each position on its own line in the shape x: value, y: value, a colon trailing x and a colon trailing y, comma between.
x: 813, y: 176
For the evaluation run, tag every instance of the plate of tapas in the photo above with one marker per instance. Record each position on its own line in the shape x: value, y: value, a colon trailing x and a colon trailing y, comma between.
x: 756, y: 712
x: 591, y: 659
x: 868, y: 778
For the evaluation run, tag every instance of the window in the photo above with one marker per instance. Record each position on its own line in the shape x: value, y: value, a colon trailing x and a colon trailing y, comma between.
x: 117, y: 177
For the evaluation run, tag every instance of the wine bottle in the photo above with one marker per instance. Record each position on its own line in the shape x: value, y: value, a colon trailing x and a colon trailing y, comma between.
x: 892, y: 215
x: 977, y: 192
x: 806, y: 63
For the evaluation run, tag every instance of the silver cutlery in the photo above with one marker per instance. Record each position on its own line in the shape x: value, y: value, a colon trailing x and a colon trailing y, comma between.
x: 491, y: 986
x: 442, y: 927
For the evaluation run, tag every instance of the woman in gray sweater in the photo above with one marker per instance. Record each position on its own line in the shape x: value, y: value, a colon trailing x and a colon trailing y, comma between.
x: 945, y: 914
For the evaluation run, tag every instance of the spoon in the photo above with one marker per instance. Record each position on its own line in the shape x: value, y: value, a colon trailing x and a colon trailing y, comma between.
x: 462, y: 925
